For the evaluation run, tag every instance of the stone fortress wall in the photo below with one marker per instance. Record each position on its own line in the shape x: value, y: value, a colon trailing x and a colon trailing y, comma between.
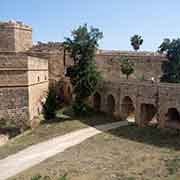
x: 26, y: 71
x: 15, y: 37
x: 23, y: 77
x: 146, y: 65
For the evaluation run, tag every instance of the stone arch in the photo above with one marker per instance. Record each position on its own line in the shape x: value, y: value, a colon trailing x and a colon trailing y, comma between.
x: 148, y: 114
x: 128, y: 109
x: 61, y: 94
x: 111, y: 104
x: 97, y: 101
x: 172, y: 118
x: 68, y: 94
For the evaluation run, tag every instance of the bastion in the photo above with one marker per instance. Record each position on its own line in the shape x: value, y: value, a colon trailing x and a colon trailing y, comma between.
x: 23, y: 77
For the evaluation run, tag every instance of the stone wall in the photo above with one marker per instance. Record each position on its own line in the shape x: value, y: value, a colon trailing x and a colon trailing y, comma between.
x: 146, y: 66
x: 23, y: 85
x: 15, y: 37
x: 37, y: 85
x: 147, y: 101
x: 14, y: 105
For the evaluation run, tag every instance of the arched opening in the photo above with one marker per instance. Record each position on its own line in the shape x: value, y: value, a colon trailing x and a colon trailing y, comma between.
x: 173, y: 118
x: 128, y: 110
x: 61, y: 94
x: 110, y: 104
x: 97, y: 101
x: 148, y: 114
x: 69, y: 92
x: 68, y: 95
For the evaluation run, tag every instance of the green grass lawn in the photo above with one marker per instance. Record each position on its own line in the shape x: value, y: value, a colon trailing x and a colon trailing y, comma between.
x: 57, y: 127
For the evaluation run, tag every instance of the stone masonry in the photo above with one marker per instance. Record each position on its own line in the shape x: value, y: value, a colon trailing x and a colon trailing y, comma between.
x: 26, y: 71
x: 23, y: 77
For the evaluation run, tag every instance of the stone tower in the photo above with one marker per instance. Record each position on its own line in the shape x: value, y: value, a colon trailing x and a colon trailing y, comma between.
x: 15, y: 37
x: 23, y: 76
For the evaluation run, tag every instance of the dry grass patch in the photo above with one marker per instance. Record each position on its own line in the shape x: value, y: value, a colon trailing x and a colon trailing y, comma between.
x: 46, y: 131
x: 127, y: 153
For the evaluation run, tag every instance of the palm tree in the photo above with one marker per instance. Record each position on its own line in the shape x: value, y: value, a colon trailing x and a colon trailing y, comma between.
x: 136, y: 42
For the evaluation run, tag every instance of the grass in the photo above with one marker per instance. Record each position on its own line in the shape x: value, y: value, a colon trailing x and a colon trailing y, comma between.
x: 126, y: 153
x: 57, y: 127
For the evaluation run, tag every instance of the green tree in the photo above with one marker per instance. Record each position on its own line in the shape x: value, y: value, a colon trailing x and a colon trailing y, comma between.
x: 171, y: 67
x: 84, y: 77
x: 49, y: 107
x: 136, y: 42
x: 127, y: 67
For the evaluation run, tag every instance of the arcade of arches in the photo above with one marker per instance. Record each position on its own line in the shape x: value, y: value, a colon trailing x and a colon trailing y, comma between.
x: 144, y: 104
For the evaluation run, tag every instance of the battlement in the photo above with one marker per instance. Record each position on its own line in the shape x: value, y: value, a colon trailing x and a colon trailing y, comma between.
x: 15, y: 25
x: 129, y: 53
x: 15, y: 36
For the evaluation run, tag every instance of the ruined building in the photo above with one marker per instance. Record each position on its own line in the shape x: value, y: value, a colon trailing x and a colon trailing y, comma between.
x: 26, y: 70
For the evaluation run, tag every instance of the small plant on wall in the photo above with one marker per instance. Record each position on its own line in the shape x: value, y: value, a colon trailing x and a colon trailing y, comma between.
x: 127, y: 67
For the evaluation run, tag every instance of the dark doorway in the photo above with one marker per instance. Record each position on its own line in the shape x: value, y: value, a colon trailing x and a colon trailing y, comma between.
x: 97, y: 101
x: 128, y: 110
x: 110, y: 104
x: 148, y: 114
x: 173, y: 118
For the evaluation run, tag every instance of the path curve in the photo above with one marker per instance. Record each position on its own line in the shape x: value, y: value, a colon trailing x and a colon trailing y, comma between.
x: 35, y: 154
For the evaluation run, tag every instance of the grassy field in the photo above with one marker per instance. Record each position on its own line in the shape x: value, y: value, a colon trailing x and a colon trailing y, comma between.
x: 59, y: 126
x: 127, y: 153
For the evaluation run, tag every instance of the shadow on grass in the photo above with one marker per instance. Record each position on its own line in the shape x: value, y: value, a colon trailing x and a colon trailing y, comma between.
x: 148, y: 135
x: 93, y: 119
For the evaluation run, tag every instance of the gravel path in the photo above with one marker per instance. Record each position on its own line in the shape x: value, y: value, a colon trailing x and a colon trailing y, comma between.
x: 35, y: 154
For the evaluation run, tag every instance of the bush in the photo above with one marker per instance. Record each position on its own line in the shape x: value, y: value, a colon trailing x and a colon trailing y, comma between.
x: 81, y: 109
x: 49, y: 107
x: 39, y: 177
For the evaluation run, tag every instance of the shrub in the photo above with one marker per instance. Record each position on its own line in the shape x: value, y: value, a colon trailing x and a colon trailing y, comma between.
x: 80, y: 108
x: 49, y: 107
x: 39, y: 177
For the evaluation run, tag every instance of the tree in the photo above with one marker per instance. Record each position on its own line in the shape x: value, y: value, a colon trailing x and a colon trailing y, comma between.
x: 171, y: 67
x: 136, y: 42
x: 83, y: 74
x: 49, y: 107
x: 127, y: 67
x: 164, y: 46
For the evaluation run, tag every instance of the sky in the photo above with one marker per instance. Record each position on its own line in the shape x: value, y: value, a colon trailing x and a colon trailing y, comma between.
x: 52, y: 20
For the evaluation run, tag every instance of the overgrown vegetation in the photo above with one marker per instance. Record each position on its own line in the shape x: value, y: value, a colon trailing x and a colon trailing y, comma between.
x: 39, y: 177
x: 127, y: 67
x: 171, y: 68
x: 136, y: 42
x: 49, y: 107
x: 173, y: 166
x: 81, y: 108
x: 9, y: 127
x: 83, y: 74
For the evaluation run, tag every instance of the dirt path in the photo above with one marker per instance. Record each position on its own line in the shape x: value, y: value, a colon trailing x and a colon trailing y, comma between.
x: 35, y: 154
